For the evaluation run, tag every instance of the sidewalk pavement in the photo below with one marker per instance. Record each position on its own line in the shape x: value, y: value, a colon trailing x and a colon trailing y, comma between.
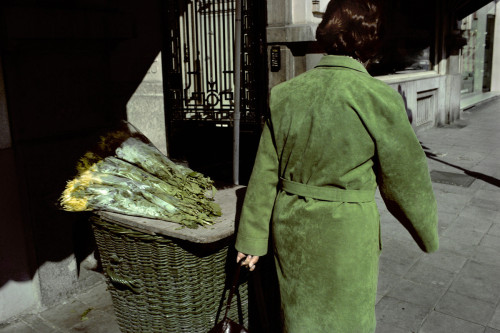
x: 455, y: 290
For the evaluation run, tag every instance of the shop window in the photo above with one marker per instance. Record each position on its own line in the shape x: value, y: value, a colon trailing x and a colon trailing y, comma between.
x: 477, y: 54
x: 408, y: 38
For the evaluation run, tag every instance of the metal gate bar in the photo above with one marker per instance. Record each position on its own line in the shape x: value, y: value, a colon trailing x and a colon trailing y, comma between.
x: 205, y: 49
x: 199, y: 79
x: 202, y: 61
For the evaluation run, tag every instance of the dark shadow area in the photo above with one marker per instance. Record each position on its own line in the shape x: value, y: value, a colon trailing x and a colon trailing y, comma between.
x: 69, y: 70
x: 208, y: 149
x: 408, y: 31
x: 263, y: 290
x: 481, y: 176
x: 409, y: 113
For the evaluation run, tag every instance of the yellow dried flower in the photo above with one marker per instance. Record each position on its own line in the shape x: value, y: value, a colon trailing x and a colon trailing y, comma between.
x: 69, y: 201
x: 87, y: 160
x: 88, y: 177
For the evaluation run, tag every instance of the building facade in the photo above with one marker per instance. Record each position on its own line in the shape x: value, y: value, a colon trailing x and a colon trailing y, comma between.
x: 438, y: 51
x: 478, y: 54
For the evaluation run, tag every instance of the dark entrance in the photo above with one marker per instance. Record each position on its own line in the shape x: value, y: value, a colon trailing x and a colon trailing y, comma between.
x: 488, y: 52
x: 199, y: 83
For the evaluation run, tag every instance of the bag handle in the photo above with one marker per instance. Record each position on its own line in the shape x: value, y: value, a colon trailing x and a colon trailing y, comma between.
x: 233, y: 287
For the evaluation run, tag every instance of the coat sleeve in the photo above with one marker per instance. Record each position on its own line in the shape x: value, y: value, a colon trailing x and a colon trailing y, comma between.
x: 402, y: 171
x: 253, y: 230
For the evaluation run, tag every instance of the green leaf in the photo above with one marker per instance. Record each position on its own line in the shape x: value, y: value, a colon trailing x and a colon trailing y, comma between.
x: 85, y: 313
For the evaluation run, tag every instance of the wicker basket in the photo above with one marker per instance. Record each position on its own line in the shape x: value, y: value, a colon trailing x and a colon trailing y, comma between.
x: 161, y: 284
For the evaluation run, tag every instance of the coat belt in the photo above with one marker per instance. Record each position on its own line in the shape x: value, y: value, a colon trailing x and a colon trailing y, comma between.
x: 326, y: 193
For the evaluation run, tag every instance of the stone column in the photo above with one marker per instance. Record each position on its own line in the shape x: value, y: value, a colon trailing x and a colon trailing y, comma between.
x: 145, y: 109
x: 289, y: 22
x: 495, y: 73
x: 479, y: 56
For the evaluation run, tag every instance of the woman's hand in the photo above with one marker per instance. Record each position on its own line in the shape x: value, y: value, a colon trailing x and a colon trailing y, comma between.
x: 250, y: 260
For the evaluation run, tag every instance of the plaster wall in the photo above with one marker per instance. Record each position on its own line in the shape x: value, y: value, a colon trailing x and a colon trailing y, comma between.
x: 293, y: 20
x: 290, y: 12
x: 145, y: 108
x: 279, y: 13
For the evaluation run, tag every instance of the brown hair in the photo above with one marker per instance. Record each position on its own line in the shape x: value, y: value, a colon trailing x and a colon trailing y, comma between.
x: 352, y: 28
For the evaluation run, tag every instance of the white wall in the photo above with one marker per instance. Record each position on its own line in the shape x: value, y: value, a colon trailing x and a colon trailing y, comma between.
x: 18, y: 297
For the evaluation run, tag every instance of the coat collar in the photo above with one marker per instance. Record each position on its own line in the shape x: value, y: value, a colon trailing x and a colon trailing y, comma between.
x: 341, y: 61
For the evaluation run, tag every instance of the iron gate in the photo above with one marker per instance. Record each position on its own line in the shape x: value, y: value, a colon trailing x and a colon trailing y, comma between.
x: 199, y: 77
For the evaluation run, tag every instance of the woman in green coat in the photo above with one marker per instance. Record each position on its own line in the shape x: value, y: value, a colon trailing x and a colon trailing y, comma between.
x: 334, y: 134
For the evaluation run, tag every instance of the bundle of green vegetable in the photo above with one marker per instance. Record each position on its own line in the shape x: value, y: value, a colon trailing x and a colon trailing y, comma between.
x: 141, y: 181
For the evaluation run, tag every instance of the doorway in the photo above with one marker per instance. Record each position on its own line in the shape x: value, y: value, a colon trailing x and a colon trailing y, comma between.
x: 199, y: 76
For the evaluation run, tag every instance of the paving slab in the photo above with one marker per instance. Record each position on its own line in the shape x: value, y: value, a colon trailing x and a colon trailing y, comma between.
x: 386, y: 328
x: 64, y: 316
x: 386, y: 281
x: 472, y: 224
x: 41, y: 325
x: 429, y: 275
x: 491, y: 330
x: 491, y: 241
x: 97, y: 298
x: 452, y: 245
x: 480, y: 213
x: 17, y: 327
x: 465, y: 307
x: 398, y: 256
x: 478, y: 280
x: 491, y: 186
x: 464, y: 236
x: 416, y: 293
x: 97, y: 322
x: 494, y: 230
x: 442, y: 323
x: 394, y: 312
x: 445, y: 220
x: 444, y: 259
x: 495, y: 320
x: 486, y: 199
x: 451, y: 203
x: 486, y: 255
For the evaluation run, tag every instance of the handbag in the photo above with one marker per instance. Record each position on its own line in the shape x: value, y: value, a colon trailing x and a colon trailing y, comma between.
x: 226, y: 325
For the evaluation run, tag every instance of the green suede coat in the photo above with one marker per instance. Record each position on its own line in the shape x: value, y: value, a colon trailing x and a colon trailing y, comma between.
x: 334, y: 126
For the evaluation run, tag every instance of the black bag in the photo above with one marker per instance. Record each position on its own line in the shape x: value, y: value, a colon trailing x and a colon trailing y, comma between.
x: 226, y: 325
